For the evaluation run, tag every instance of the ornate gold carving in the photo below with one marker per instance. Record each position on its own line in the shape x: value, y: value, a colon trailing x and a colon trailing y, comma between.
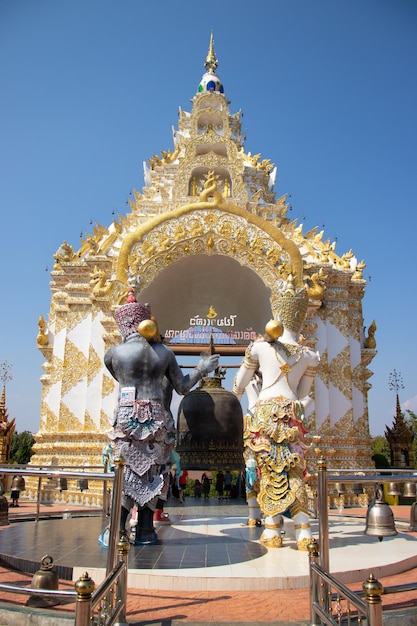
x: 370, y: 341
x: 108, y: 385
x: 76, y: 314
x: 316, y: 285
x: 323, y: 368
x: 358, y: 274
x: 167, y: 157
x: 75, y: 366
x: 210, y: 190
x: 212, y: 220
x: 99, y: 282
x: 95, y: 364
x: 68, y: 422
x: 56, y: 370
x: 341, y: 373
x: 64, y: 254
x: 42, y: 337
x: 89, y: 423
x: 50, y: 420
x: 104, y: 422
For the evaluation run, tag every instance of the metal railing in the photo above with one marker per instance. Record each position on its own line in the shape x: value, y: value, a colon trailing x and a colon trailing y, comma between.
x: 106, y: 605
x: 331, y: 602
x: 60, y: 471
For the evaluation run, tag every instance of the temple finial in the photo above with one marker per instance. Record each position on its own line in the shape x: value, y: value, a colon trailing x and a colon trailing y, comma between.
x: 211, y: 62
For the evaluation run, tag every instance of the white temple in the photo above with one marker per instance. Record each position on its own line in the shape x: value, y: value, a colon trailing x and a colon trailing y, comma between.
x: 208, y: 210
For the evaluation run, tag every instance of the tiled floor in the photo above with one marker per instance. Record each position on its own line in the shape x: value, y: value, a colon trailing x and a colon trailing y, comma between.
x: 207, y: 547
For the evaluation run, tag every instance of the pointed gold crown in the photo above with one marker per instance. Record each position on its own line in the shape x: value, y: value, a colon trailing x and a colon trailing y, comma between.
x: 292, y: 305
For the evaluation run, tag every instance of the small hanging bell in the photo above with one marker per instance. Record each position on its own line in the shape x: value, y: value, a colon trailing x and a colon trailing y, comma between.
x: 46, y: 579
x: 339, y: 488
x: 4, y: 511
x: 393, y: 489
x: 410, y: 490
x: 62, y: 484
x: 82, y: 484
x: 379, y: 517
x: 413, y: 518
x: 357, y: 489
x: 18, y: 483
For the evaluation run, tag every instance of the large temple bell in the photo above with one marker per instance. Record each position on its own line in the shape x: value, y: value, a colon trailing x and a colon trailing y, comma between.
x: 379, y: 517
x: 210, y: 428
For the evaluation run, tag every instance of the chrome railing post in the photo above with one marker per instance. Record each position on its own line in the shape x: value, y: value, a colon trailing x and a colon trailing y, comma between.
x: 84, y: 588
x: 323, y: 513
x: 115, y: 513
x: 123, y: 547
x: 38, y: 499
x: 313, y: 555
x: 373, y: 591
x: 105, y: 494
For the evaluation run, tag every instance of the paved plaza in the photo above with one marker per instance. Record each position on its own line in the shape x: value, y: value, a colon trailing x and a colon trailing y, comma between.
x: 210, y: 566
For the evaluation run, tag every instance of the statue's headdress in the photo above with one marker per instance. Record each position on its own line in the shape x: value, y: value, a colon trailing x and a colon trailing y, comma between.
x: 131, y: 314
x: 292, y: 305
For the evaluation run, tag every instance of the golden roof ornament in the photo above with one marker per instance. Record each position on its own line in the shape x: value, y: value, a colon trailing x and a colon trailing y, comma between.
x: 210, y: 82
x: 211, y: 62
x: 370, y: 341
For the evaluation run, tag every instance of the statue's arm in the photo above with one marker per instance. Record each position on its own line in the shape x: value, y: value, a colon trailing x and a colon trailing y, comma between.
x: 108, y: 362
x: 246, y: 371
x: 183, y: 383
x: 306, y: 381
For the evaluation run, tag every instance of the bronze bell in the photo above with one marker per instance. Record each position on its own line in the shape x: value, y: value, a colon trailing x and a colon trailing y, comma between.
x: 82, y: 484
x: 410, y: 490
x: 379, y: 517
x: 4, y: 511
x: 210, y: 428
x: 393, y: 489
x: 357, y: 489
x: 46, y: 579
x: 413, y: 518
x: 339, y: 488
x: 18, y: 483
x: 62, y: 484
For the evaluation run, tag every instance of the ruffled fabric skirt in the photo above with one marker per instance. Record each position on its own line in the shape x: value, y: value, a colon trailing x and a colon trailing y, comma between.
x: 144, y: 435
x: 275, y: 466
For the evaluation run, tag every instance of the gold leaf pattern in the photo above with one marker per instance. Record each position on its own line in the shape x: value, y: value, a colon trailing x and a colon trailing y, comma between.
x: 67, y: 421
x: 77, y: 313
x: 89, y: 424
x: 104, y: 422
x: 108, y: 385
x: 75, y: 367
x: 95, y: 364
x: 340, y: 372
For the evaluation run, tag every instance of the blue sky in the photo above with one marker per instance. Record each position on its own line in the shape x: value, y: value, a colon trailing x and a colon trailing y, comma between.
x: 91, y: 88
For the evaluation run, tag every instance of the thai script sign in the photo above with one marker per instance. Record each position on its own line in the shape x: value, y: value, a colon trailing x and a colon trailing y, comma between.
x: 201, y: 328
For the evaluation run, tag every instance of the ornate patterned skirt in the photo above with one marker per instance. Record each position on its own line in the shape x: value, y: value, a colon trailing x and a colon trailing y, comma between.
x: 273, y: 439
x: 144, y: 434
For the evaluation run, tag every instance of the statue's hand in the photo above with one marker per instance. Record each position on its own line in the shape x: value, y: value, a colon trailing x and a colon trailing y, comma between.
x: 208, y: 364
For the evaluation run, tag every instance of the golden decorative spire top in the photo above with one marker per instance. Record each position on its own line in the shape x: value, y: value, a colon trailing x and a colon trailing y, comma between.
x: 211, y: 62
x: 210, y: 82
x: 3, y: 410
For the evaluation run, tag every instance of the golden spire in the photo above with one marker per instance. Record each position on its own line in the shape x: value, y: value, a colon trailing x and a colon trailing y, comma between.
x: 3, y: 410
x: 211, y: 62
